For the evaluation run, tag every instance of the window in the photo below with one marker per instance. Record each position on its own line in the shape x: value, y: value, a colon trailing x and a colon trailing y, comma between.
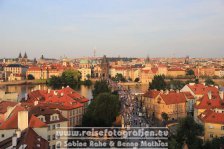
x: 53, y: 147
x: 211, y: 135
x: 49, y: 127
x: 58, y: 125
x: 210, y: 127
x: 222, y: 127
x: 49, y: 138
x: 53, y: 127
x: 53, y: 137
x: 3, y: 135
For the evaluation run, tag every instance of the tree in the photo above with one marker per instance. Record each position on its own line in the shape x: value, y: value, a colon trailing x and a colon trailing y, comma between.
x: 188, y: 131
x: 190, y: 72
x: 30, y: 77
x: 137, y: 79
x: 102, y: 111
x: 100, y: 87
x: 215, y: 143
x: 119, y: 77
x: 209, y: 81
x: 175, y: 84
x: 88, y: 76
x: 71, y: 77
x: 164, y: 116
x: 158, y: 83
x: 68, y: 77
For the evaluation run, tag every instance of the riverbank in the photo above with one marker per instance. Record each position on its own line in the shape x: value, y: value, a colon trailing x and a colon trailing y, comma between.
x: 24, y: 82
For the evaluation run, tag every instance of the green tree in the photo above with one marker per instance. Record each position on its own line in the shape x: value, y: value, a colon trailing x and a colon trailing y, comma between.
x: 188, y: 131
x: 119, y: 77
x: 100, y: 87
x: 190, y: 72
x: 164, y: 116
x: 215, y: 143
x: 102, y: 111
x: 71, y: 77
x: 88, y: 76
x: 30, y: 77
x: 68, y: 77
x: 209, y: 81
x: 158, y: 83
x: 175, y: 84
x: 137, y: 79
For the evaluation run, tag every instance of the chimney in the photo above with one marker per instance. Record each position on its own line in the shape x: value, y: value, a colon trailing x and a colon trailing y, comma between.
x: 191, y: 84
x: 22, y: 120
x: 209, y: 95
x: 62, y: 87
x: 62, y: 94
x: 48, y: 91
x: 221, y: 95
x: 9, y: 110
x: 67, y: 85
x: 167, y: 92
x: 36, y: 103
x: 18, y: 133
x: 178, y: 91
x: 55, y: 93
x: 14, y: 140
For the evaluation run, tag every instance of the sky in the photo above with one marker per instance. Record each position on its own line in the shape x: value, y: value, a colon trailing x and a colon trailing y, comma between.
x: 126, y: 28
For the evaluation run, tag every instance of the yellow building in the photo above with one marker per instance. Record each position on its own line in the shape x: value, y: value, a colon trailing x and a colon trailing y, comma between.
x: 15, y: 72
x: 172, y: 103
x: 85, y: 72
x: 213, y: 122
x: 175, y: 72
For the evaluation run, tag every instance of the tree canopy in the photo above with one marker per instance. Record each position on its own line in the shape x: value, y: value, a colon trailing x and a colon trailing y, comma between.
x: 100, y: 87
x: 102, y: 111
x: 209, y: 81
x: 190, y: 72
x: 158, y: 83
x: 119, y: 78
x: 68, y: 77
x: 187, y: 132
x: 30, y: 77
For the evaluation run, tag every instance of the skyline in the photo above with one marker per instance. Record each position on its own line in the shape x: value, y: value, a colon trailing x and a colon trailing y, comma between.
x: 126, y: 28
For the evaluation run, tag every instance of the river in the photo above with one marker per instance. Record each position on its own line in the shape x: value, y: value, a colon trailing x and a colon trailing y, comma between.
x: 22, y: 90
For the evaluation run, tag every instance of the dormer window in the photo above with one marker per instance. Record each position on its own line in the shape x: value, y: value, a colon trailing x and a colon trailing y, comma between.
x: 54, y: 117
x: 42, y: 118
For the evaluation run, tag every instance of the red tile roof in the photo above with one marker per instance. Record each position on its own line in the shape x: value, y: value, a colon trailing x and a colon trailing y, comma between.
x: 65, y: 98
x: 12, y: 121
x: 173, y: 98
x: 188, y: 95
x: 210, y: 116
x: 35, y: 122
x: 200, y: 89
x: 5, y: 104
x: 151, y: 94
x: 206, y: 103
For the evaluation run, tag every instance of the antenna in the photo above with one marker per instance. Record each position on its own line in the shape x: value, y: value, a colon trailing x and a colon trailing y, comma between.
x: 94, y: 52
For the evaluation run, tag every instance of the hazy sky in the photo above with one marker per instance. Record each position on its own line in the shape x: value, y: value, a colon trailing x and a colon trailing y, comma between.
x: 132, y: 28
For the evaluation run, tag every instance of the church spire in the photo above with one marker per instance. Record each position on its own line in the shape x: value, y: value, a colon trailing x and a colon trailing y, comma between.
x: 25, y: 55
x: 20, y: 55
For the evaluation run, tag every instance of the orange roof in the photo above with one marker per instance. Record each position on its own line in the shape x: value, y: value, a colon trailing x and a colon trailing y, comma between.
x: 173, y: 98
x: 5, y: 104
x: 200, y: 89
x: 175, y: 69
x: 210, y: 116
x: 206, y: 103
x: 35, y: 122
x: 151, y: 93
x: 12, y: 121
x: 188, y: 95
